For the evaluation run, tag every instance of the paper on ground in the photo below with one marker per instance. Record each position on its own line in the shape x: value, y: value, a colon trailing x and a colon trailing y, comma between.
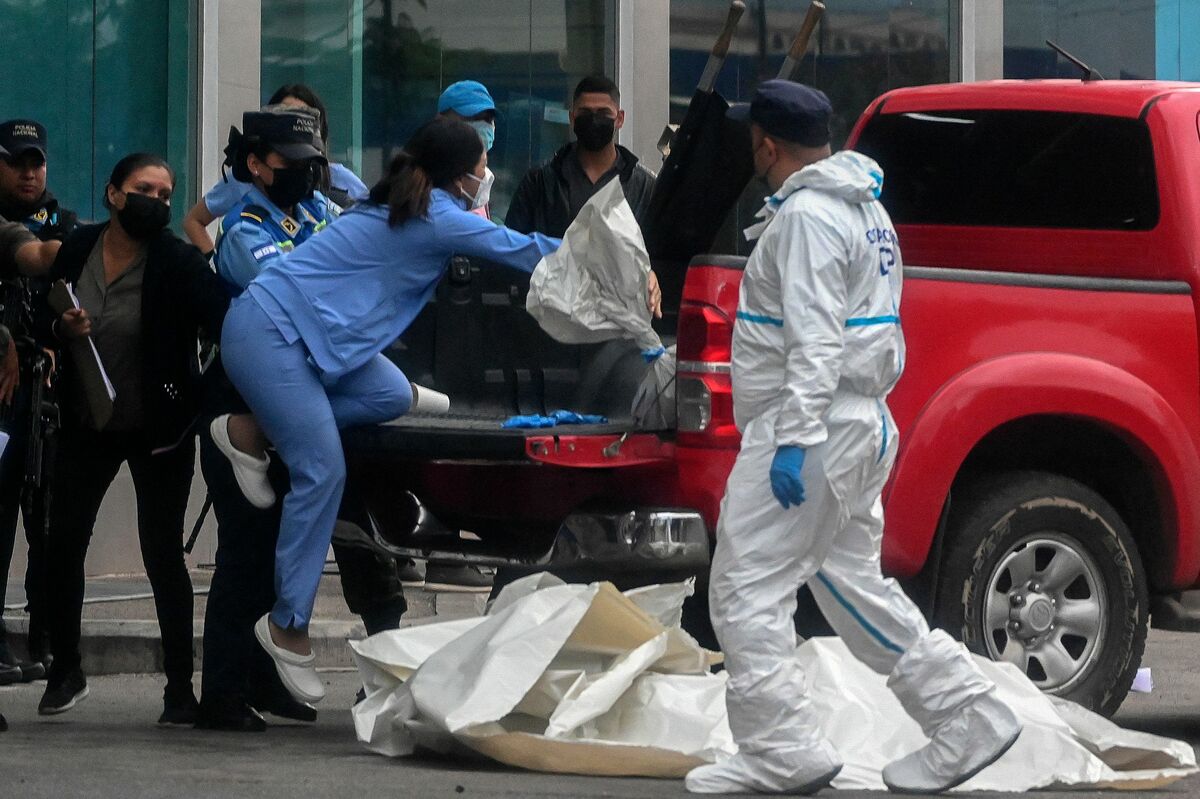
x: 583, y: 679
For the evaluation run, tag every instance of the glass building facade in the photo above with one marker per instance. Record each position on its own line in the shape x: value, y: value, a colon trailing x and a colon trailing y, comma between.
x: 109, y: 77
x: 106, y: 78
x: 861, y: 49
x: 380, y: 65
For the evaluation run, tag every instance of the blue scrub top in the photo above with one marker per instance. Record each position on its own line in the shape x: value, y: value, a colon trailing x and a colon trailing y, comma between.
x: 354, y: 289
x: 340, y: 177
x: 224, y: 195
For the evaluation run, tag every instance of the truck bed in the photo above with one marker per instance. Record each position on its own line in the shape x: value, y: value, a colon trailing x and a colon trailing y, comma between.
x: 457, y: 436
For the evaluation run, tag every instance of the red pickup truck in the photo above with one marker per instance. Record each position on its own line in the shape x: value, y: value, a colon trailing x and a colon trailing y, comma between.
x: 1045, y: 505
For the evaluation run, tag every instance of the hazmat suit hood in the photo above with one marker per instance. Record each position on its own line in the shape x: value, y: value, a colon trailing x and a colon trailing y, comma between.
x: 852, y: 176
x: 848, y: 175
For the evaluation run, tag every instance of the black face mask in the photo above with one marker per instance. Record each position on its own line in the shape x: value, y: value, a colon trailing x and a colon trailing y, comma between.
x: 292, y: 184
x: 143, y: 216
x: 594, y: 131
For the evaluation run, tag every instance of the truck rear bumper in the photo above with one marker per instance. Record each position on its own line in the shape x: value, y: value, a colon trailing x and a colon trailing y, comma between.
x: 607, y: 544
x: 638, y: 540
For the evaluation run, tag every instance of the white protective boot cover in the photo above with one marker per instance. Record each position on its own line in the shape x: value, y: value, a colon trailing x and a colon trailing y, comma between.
x: 796, y: 773
x: 967, y: 726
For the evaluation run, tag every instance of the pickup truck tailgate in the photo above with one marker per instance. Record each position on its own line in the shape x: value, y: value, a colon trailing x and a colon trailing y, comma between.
x: 461, y: 437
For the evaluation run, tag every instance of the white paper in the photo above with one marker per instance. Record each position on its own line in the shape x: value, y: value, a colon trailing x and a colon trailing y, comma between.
x: 112, y: 392
x: 582, y: 679
x: 594, y: 287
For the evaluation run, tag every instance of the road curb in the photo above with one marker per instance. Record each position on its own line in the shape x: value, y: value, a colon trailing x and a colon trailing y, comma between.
x: 133, y: 646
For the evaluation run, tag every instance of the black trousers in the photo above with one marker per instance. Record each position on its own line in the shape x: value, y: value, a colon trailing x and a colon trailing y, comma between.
x: 243, y: 586
x: 15, y: 496
x: 85, y: 466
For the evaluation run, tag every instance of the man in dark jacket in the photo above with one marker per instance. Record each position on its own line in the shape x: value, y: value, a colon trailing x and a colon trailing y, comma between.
x: 550, y: 196
x: 24, y: 198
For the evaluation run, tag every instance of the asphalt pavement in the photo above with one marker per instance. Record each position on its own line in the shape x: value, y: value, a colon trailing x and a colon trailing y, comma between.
x: 109, y: 746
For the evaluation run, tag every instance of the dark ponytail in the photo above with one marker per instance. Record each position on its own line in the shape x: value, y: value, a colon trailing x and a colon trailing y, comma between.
x: 440, y: 151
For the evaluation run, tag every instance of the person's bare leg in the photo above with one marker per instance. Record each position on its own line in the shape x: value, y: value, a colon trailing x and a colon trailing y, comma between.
x: 246, y: 435
x: 293, y: 640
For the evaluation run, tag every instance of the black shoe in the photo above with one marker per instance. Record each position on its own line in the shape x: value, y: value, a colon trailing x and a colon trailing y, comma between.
x: 62, y: 696
x: 9, y: 673
x: 179, y: 707
x: 229, y: 714
x: 3, y: 723
x: 459, y: 578
x: 33, y: 670
x: 42, y: 658
x: 30, y: 670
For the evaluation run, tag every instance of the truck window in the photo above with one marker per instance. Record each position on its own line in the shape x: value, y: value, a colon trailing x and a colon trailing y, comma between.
x: 1015, y: 169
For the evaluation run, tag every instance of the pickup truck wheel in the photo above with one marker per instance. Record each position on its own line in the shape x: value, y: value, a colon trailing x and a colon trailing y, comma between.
x: 1040, y: 571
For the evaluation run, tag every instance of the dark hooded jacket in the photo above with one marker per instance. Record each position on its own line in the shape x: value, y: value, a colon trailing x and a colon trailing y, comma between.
x: 542, y: 203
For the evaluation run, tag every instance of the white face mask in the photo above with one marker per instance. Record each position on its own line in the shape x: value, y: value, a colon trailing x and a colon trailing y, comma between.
x: 484, y: 193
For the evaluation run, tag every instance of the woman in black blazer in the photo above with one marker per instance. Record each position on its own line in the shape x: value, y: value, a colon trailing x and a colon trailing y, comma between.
x: 146, y: 297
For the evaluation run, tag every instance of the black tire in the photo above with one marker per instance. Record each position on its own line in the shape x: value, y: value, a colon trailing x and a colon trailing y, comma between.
x: 1001, y: 525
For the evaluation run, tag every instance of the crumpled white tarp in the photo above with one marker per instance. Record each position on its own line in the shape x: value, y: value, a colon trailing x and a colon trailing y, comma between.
x: 593, y: 289
x: 582, y: 679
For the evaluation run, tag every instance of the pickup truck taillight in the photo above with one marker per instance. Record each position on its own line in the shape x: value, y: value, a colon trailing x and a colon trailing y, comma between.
x: 705, y: 334
x: 703, y: 391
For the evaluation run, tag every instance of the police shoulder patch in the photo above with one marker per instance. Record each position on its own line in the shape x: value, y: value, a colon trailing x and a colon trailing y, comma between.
x: 265, y: 251
x: 255, y: 213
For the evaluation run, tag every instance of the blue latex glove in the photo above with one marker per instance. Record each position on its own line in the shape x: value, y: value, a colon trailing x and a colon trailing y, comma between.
x: 570, y: 417
x: 786, y: 484
x: 532, y: 421
x: 536, y: 421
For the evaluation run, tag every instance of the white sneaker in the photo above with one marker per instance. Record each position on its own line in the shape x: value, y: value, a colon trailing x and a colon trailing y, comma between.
x: 960, y: 748
x: 250, y: 472
x: 756, y: 774
x: 298, y: 673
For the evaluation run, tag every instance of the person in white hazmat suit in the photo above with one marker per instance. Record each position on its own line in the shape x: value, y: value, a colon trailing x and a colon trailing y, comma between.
x: 817, y: 346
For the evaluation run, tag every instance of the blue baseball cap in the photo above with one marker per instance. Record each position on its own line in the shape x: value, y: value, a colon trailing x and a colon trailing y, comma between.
x: 789, y: 111
x: 466, y: 98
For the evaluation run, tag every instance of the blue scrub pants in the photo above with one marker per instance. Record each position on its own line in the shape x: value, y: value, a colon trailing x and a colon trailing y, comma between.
x: 301, y: 418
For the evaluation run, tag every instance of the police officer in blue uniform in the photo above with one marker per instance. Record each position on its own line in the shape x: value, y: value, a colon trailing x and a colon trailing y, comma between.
x: 24, y: 198
x: 277, y: 154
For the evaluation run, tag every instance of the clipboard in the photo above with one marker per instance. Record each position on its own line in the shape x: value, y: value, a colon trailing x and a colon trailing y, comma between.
x: 97, y: 388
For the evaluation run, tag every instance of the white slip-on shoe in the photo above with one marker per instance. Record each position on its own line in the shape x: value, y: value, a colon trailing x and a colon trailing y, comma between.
x: 742, y: 774
x: 973, y: 739
x: 250, y: 472
x: 297, y: 672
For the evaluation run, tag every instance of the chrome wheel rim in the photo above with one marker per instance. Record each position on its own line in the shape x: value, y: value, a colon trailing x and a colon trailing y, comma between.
x: 1045, y: 611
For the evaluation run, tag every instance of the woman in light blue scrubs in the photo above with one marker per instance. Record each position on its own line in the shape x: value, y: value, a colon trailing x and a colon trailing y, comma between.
x: 303, y: 343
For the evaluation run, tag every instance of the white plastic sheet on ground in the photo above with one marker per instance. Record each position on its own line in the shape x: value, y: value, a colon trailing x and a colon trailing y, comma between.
x: 594, y: 288
x: 582, y: 679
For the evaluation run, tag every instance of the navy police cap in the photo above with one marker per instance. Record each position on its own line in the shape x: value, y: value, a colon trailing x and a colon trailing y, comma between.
x: 20, y: 135
x: 291, y: 131
x: 789, y: 111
